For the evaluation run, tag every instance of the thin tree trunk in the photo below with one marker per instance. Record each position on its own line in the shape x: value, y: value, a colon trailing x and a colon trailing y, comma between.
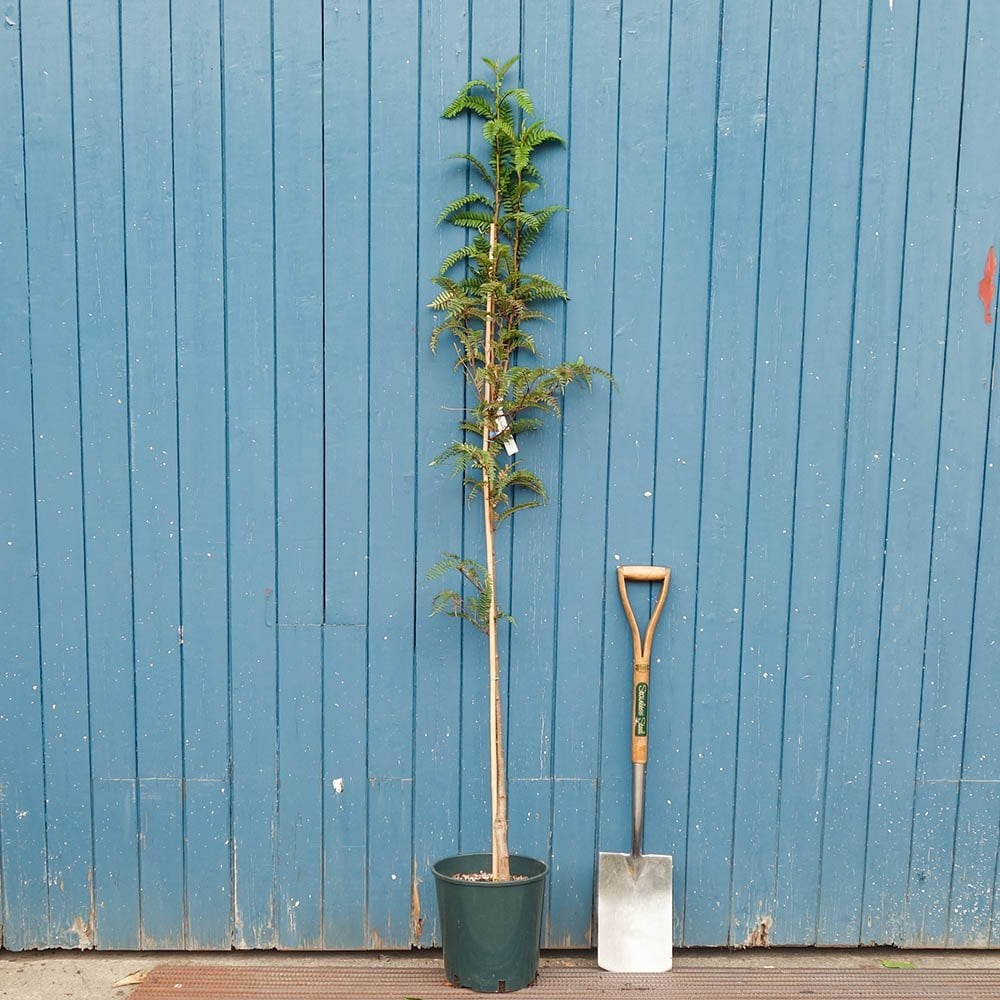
x: 498, y: 760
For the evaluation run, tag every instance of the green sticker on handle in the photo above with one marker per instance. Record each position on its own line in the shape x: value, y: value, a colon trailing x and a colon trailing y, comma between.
x: 641, y: 700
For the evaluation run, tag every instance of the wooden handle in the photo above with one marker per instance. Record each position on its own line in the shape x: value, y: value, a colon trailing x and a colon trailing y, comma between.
x: 641, y: 650
x: 644, y: 573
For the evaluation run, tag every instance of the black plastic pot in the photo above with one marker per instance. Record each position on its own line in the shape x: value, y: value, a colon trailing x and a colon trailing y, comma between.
x: 490, y: 931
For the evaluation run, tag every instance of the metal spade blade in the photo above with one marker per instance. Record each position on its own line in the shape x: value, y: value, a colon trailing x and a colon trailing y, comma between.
x: 635, y: 912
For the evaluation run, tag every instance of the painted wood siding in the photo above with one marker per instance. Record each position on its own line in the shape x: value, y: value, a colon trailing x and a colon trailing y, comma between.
x: 226, y: 718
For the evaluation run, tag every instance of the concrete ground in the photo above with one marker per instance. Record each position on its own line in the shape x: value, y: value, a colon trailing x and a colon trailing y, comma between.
x: 56, y: 975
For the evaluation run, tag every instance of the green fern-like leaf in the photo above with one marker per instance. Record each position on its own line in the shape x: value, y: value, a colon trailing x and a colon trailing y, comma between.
x: 501, y: 69
x: 512, y: 510
x: 480, y: 221
x: 446, y: 602
x: 536, y: 134
x: 473, y: 608
x: 534, y: 222
x: 468, y: 102
x: 524, y: 479
x: 522, y: 97
x: 463, y: 253
x: 500, y: 129
x: 476, y: 85
x: 536, y: 288
x: 479, y: 166
x: 463, y: 456
x: 472, y: 198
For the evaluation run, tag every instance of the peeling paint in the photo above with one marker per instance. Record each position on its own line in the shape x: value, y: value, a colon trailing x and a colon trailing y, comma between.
x: 760, y: 936
x: 238, y: 934
x: 84, y: 931
x: 988, y: 287
x: 416, y: 919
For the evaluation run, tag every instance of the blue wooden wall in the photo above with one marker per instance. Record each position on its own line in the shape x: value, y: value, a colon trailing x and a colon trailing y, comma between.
x: 226, y: 718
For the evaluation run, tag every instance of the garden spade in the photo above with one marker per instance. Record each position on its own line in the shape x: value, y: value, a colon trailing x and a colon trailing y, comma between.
x: 635, y: 890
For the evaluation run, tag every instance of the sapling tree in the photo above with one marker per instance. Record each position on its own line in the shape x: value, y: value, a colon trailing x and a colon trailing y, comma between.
x: 490, y: 304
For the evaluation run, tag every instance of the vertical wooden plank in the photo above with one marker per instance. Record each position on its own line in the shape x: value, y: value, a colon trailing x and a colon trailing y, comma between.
x: 535, y: 601
x: 641, y: 139
x: 930, y: 216
x: 582, y: 560
x: 976, y: 851
x: 201, y: 389
x: 438, y: 648
x: 686, y: 263
x: 973, y: 881
x: 495, y: 33
x: 823, y: 411
x: 345, y: 685
x: 116, y: 853
x: 207, y: 864
x: 745, y: 763
x: 635, y: 354
x: 60, y: 521
x: 974, y: 904
x: 780, y: 301
x: 23, y: 881
x: 346, y: 786
x: 161, y: 858
x: 881, y: 253
x: 249, y: 256
x: 958, y: 510
x: 298, y: 193
x: 395, y: 153
x: 149, y: 219
x: 726, y: 466
x: 106, y: 462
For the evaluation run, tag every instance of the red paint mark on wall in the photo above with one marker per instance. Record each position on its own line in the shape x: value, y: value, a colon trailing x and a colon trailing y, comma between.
x: 988, y: 286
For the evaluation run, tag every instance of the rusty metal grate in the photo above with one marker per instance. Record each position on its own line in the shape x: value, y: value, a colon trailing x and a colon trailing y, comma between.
x: 205, y: 982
